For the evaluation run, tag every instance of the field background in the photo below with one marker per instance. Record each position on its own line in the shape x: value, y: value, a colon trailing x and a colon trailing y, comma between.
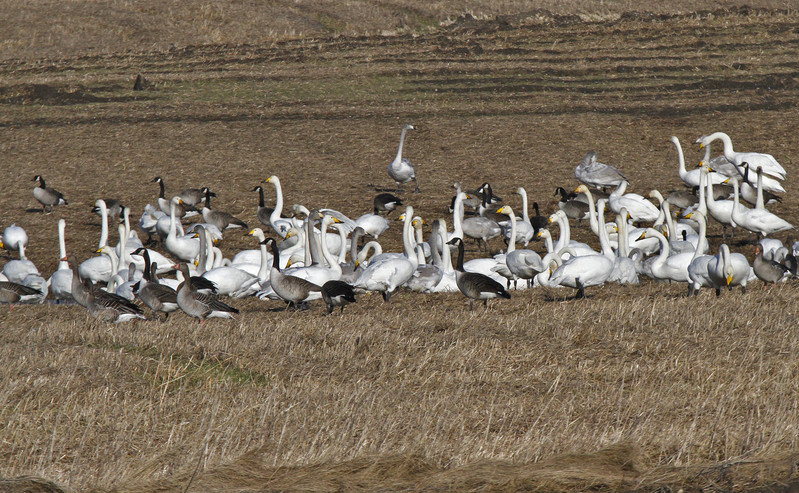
x: 633, y: 388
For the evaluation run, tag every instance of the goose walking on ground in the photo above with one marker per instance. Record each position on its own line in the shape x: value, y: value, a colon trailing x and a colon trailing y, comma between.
x: 262, y: 212
x: 200, y: 305
x: 570, y: 204
x: 597, y: 175
x: 401, y: 170
x: 337, y: 293
x: 194, y: 196
x: 181, y: 209
x: 48, y: 197
x: 473, y: 285
x: 294, y: 290
x: 386, y: 202
x: 107, y: 307
x: 157, y: 297
x: 12, y: 293
x: 220, y: 219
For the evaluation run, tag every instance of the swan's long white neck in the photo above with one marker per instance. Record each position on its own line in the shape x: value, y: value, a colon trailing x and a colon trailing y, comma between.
x: 407, y: 235
x: 760, y: 202
x: 124, y: 256
x: 619, y: 191
x: 342, y: 251
x: 512, y: 242
x: 665, y: 250
x: 273, y: 218
x: 604, y: 242
x: 700, y: 218
x: 729, y: 153
x: 21, y: 249
x: 525, y: 214
x: 103, y: 223
x: 702, y: 179
x: 736, y: 213
x: 457, y: 216
x: 172, y: 221
x: 114, y: 259
x: 547, y: 240
x: 564, y: 238
x: 418, y: 240
x: 446, y: 257
x: 126, y: 215
x: 623, y: 250
x: 398, y: 158
x: 62, y: 245
x: 669, y: 220
x: 331, y: 260
x: 592, y: 215
x: 680, y: 156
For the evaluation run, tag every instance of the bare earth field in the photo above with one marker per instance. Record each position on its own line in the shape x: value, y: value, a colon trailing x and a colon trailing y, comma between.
x: 633, y: 388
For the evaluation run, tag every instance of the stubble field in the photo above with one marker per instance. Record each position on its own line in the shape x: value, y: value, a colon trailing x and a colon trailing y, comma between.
x: 633, y: 388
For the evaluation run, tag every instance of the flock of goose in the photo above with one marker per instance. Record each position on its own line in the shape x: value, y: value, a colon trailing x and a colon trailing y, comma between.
x: 307, y: 259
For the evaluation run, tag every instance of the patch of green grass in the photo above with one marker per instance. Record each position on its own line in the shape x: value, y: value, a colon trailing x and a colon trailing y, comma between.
x: 176, y: 367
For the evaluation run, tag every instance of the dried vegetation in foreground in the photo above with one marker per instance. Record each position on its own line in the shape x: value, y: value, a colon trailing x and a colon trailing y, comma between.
x: 632, y: 388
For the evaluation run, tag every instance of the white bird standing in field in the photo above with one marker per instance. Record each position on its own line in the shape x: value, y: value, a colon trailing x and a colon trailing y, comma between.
x: 401, y: 170
x: 596, y: 174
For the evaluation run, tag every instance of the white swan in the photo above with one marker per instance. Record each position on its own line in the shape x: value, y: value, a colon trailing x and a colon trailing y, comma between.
x: 387, y: 275
x: 12, y: 237
x: 728, y: 269
x: 448, y: 282
x: 596, y: 174
x: 523, y: 264
x: 564, y: 239
x: 692, y: 178
x: 184, y: 248
x: 756, y: 160
x: 400, y: 169
x: 280, y: 225
x: 60, y: 283
x: 720, y: 210
x: 624, y: 271
x: 668, y: 267
x: 320, y: 271
x: 758, y: 220
x: 582, y: 271
x: 638, y: 207
x: 524, y: 228
x: 18, y: 269
x: 234, y: 281
x: 698, y: 276
x: 148, y: 222
x: 373, y: 224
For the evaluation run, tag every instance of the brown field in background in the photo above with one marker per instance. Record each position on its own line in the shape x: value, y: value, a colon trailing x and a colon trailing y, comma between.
x: 633, y: 388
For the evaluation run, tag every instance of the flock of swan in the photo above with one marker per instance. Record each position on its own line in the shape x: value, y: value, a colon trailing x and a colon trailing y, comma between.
x: 306, y: 258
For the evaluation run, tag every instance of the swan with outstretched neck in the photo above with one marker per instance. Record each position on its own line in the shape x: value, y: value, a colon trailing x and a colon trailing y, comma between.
x: 400, y: 169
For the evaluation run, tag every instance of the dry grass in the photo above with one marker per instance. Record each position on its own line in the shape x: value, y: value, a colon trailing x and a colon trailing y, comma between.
x: 636, y: 387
